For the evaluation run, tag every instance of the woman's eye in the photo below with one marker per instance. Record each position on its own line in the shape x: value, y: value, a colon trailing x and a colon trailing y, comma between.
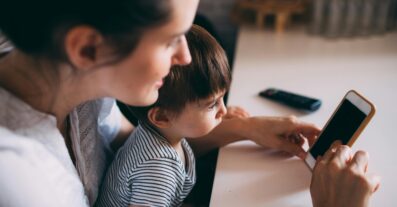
x: 174, y: 42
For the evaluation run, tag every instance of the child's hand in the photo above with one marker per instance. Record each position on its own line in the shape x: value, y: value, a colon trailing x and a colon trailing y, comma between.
x: 236, y: 112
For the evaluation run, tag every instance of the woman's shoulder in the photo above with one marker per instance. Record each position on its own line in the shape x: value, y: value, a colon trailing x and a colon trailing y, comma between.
x: 13, y: 143
x: 30, y: 173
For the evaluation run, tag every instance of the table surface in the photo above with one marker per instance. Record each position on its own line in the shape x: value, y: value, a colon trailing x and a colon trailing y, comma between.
x: 248, y: 175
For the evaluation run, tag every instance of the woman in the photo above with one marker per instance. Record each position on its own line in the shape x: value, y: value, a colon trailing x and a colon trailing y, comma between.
x: 56, y: 124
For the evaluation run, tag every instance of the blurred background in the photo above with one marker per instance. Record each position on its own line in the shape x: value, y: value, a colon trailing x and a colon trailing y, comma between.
x: 326, y: 18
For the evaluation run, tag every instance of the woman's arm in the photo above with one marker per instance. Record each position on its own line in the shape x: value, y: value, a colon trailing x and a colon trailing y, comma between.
x: 283, y: 133
x: 225, y: 133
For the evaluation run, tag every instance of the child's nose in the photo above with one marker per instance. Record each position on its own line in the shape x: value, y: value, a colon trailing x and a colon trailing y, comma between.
x: 222, y: 111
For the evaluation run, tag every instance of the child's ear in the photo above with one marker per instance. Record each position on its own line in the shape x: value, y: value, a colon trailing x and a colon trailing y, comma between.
x: 158, y: 118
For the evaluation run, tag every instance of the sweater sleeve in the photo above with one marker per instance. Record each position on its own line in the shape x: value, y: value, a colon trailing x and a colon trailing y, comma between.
x: 109, y: 119
x: 31, y: 177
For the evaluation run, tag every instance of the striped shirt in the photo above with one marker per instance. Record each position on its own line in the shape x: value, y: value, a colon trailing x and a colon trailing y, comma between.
x: 147, y: 171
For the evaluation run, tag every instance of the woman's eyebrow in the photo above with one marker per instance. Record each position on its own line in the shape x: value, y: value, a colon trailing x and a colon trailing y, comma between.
x: 180, y: 33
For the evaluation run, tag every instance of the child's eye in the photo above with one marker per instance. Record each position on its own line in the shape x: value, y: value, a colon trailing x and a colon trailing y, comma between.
x: 212, y: 106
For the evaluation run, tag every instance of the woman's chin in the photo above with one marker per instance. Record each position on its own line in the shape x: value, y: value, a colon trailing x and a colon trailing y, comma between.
x: 143, y: 100
x: 147, y: 100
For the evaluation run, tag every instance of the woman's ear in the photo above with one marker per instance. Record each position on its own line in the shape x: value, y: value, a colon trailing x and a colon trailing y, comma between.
x: 82, y: 45
x: 158, y: 118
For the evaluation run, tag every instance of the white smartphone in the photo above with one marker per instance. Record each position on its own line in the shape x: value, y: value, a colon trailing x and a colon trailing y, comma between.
x: 347, y: 122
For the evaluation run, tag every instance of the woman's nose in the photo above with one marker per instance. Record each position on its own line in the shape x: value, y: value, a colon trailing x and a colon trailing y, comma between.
x: 182, y: 55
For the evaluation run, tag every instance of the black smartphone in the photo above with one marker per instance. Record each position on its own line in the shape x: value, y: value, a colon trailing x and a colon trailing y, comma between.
x: 347, y: 122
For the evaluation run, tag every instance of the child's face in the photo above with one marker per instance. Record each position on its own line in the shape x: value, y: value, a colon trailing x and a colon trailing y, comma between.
x: 198, y: 119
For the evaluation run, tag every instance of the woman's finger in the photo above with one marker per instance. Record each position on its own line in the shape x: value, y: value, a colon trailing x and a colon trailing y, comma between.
x: 240, y: 111
x: 236, y: 111
x: 342, y: 156
x: 300, y: 139
x: 246, y: 114
x: 296, y: 139
x: 359, y: 162
x: 309, y: 131
x: 329, y: 154
x: 241, y: 114
x: 292, y: 148
x: 374, y: 182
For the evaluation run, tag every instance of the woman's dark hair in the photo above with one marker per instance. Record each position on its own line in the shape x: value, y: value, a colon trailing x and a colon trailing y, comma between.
x: 206, y: 75
x: 39, y: 27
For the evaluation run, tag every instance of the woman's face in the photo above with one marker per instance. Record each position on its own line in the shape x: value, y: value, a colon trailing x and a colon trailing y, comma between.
x: 136, y: 79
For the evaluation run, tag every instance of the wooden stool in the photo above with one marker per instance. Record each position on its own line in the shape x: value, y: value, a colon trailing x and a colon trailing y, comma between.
x: 282, y: 9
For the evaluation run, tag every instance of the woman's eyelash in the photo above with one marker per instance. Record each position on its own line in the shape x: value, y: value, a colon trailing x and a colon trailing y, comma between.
x: 175, y: 41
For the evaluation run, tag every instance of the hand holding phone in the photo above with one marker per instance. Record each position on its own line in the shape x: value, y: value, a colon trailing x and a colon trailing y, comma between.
x: 347, y: 122
x: 350, y: 186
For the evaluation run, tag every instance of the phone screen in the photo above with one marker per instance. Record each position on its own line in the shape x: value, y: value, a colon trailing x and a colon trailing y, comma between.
x: 342, y: 126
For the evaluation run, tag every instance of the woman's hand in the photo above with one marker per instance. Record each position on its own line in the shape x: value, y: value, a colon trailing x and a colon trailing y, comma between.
x: 340, y: 179
x: 236, y: 112
x: 282, y: 133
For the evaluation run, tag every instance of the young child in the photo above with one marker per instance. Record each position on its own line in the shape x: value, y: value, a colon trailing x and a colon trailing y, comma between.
x: 156, y: 166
